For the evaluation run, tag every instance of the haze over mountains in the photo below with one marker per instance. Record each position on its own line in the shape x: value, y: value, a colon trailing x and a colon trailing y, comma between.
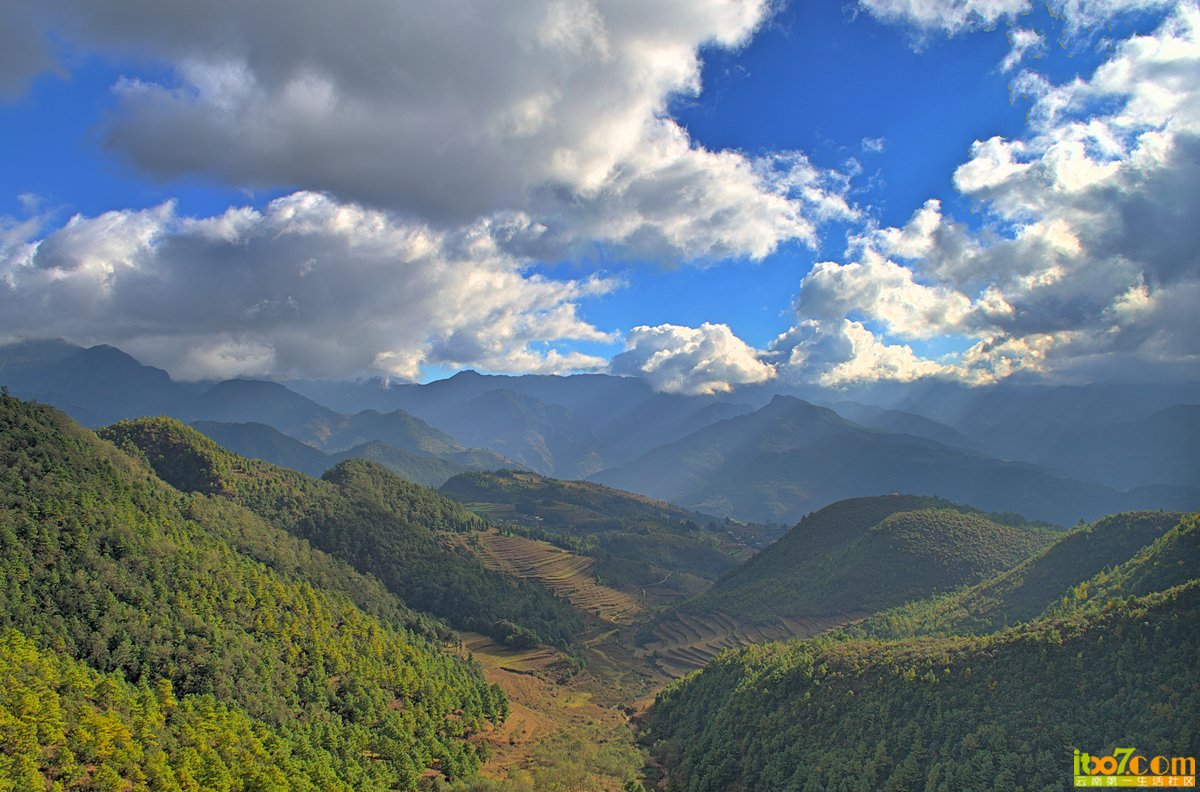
x: 1055, y: 454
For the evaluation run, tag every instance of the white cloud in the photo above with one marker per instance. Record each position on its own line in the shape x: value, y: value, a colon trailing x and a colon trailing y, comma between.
x: 1023, y: 43
x: 887, y: 293
x: 552, y: 110
x: 957, y: 16
x: 874, y: 145
x: 836, y: 353
x: 693, y: 360
x: 952, y: 16
x: 309, y: 286
x: 1088, y: 238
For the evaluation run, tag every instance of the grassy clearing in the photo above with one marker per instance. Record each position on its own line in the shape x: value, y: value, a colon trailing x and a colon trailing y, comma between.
x: 566, y: 730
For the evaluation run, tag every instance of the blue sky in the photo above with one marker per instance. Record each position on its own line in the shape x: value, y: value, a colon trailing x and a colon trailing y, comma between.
x: 543, y: 188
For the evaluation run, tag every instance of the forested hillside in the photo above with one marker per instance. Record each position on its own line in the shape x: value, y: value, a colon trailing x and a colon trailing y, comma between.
x: 1002, y: 711
x: 156, y: 639
x: 866, y: 554
x: 363, y: 514
x: 1025, y: 591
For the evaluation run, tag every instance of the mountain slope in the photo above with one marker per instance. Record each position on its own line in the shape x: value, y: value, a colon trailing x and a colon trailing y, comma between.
x: 397, y: 429
x: 866, y: 554
x: 260, y: 441
x: 262, y: 639
x: 1028, y: 589
x: 256, y: 401
x: 363, y: 514
x: 96, y: 386
x: 428, y: 470
x: 566, y: 426
x: 946, y: 715
x: 901, y: 422
x: 643, y: 546
x: 679, y: 469
x: 1161, y: 448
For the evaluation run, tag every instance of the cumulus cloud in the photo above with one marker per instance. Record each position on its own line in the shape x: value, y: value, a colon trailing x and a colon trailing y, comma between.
x: 836, y: 353
x: 307, y: 286
x: 1083, y: 263
x: 693, y: 360
x: 553, y: 110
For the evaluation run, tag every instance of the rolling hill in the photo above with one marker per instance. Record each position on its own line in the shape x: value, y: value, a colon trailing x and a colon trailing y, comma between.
x: 999, y: 709
x: 836, y: 566
x: 366, y: 516
x: 866, y: 554
x: 1025, y: 592
x: 153, y: 639
x: 1002, y: 711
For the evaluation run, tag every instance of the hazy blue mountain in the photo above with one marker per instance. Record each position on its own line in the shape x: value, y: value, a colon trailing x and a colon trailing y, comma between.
x: 792, y: 457
x: 1067, y: 450
x: 396, y: 428
x: 679, y: 469
x: 902, y: 422
x: 568, y: 426
x: 259, y: 401
x: 428, y: 470
x: 259, y: 441
x: 95, y: 386
x: 1161, y: 448
x: 541, y: 436
x: 975, y: 409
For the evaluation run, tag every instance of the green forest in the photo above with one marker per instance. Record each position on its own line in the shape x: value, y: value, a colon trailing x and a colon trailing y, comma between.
x: 365, y: 515
x: 865, y: 554
x: 174, y: 616
x: 1111, y: 659
x: 143, y: 649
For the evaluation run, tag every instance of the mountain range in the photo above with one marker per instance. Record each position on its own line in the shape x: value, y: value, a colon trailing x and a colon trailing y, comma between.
x: 178, y: 616
x: 1058, y: 454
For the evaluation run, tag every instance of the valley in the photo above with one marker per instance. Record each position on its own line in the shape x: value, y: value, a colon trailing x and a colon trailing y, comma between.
x: 551, y: 634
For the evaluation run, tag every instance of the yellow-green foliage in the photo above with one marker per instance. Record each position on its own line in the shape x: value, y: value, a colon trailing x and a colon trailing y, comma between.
x: 104, y: 563
x: 62, y: 722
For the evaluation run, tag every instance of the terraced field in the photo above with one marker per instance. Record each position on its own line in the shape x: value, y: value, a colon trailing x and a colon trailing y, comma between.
x: 568, y: 575
x: 688, y: 641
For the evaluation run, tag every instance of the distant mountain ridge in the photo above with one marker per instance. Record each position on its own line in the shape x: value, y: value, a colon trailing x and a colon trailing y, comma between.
x: 1053, y: 453
x: 792, y: 457
x: 102, y: 385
